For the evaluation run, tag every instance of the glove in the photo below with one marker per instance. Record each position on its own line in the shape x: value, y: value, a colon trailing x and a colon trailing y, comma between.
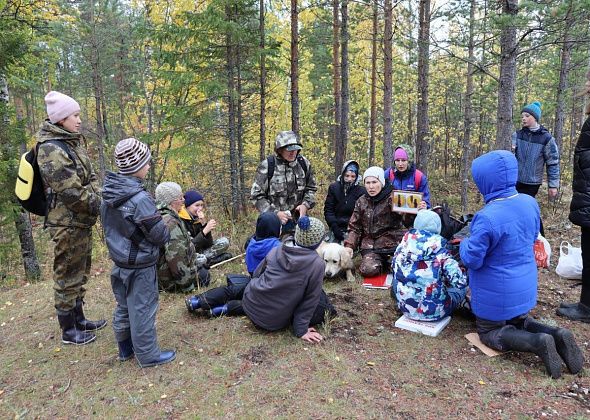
x: 338, y: 234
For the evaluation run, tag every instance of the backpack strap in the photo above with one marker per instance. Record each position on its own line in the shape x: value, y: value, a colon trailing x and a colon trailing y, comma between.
x: 270, y: 171
x: 391, y: 175
x: 418, y: 178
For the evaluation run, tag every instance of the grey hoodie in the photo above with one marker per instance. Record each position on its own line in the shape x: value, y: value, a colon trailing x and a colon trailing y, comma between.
x: 285, y: 289
x: 133, y: 227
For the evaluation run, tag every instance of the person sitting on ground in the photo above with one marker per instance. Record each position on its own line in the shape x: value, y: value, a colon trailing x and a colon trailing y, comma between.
x: 502, y: 270
x: 134, y: 232
x: 404, y: 176
x: 286, y: 287
x: 340, y: 201
x: 373, y: 227
x: 284, y: 182
x: 428, y: 283
x: 268, y: 231
x: 192, y: 215
x: 180, y: 268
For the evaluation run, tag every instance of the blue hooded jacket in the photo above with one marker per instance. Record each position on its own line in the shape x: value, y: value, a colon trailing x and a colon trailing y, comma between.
x: 499, y: 253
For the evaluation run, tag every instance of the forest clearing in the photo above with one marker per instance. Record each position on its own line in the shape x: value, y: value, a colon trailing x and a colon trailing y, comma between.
x: 207, y: 86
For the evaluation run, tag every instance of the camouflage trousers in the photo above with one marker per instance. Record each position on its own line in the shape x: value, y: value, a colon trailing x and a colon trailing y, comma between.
x: 373, y: 264
x: 71, y: 264
x: 219, y: 246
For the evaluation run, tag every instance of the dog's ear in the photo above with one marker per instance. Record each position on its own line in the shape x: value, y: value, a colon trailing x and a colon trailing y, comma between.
x: 345, y: 260
x: 320, y: 249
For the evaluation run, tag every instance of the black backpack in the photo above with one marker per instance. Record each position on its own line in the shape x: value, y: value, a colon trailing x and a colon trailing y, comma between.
x: 450, y: 224
x: 271, y: 163
x: 29, y: 185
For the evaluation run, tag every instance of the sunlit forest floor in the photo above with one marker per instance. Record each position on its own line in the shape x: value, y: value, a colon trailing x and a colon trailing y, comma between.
x: 226, y: 368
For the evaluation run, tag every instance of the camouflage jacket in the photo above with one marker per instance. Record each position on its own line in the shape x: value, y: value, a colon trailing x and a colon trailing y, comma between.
x: 373, y: 225
x: 73, y: 185
x: 177, y: 266
x: 289, y: 187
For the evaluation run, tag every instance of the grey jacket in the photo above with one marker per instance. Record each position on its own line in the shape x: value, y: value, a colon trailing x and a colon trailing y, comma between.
x: 285, y: 289
x: 133, y: 227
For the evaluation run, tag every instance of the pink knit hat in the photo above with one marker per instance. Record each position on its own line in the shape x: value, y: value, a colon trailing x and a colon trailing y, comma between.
x: 60, y: 106
x: 400, y: 154
x: 131, y: 155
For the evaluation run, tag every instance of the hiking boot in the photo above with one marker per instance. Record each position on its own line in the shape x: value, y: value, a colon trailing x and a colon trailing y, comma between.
x: 568, y: 304
x: 70, y: 333
x: 564, y: 342
x: 578, y: 312
x: 218, y: 311
x: 541, y: 344
x: 84, y: 324
x: 166, y: 356
x: 219, y: 258
x: 125, y: 350
x: 192, y: 303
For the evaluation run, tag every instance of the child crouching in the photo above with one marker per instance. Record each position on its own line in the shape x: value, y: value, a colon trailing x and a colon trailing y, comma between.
x: 286, y: 288
x: 428, y: 283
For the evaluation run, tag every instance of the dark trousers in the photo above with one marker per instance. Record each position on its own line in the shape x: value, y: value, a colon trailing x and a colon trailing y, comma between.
x: 490, y: 332
x: 585, y: 295
x: 232, y: 297
x: 531, y: 190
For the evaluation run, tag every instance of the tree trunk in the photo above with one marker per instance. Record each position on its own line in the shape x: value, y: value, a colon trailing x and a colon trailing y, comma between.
x: 373, y: 116
x: 508, y: 50
x: 340, y: 152
x: 240, y: 159
x: 294, y: 67
x: 22, y: 220
x: 563, y: 79
x: 422, y: 124
x: 468, y: 117
x: 231, y: 125
x: 336, y: 76
x: 388, y: 85
x: 262, y: 151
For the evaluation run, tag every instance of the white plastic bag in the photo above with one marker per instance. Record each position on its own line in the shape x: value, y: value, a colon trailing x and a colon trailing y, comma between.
x: 569, y: 265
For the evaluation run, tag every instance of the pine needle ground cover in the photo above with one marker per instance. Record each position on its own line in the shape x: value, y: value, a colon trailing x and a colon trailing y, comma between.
x: 225, y: 367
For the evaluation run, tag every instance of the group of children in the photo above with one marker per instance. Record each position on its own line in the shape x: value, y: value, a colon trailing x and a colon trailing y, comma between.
x: 285, y: 287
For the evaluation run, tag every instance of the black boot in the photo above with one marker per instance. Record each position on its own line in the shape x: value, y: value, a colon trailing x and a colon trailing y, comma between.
x: 564, y: 342
x: 84, y: 324
x: 166, y: 356
x: 71, y: 334
x: 578, y: 312
x: 541, y: 344
x: 125, y: 349
x: 219, y: 258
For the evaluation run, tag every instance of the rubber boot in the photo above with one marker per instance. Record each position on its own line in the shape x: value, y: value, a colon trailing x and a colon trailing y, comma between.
x: 577, y: 312
x: 166, y: 356
x: 564, y: 342
x: 192, y: 303
x: 540, y: 344
x: 84, y: 324
x: 218, y: 311
x: 125, y: 350
x: 219, y: 258
x: 568, y: 304
x: 71, y: 334
x: 203, y: 276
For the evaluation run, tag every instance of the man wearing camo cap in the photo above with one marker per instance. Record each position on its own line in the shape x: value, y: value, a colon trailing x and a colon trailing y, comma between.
x: 292, y: 187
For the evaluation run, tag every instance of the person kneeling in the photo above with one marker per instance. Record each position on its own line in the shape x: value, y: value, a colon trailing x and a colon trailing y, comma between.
x: 428, y: 283
x: 502, y: 270
x: 286, y: 287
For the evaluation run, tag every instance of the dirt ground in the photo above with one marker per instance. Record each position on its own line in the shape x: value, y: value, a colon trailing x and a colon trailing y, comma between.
x: 365, y: 368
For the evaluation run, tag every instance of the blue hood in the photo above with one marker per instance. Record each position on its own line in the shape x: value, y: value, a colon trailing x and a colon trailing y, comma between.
x: 495, y: 174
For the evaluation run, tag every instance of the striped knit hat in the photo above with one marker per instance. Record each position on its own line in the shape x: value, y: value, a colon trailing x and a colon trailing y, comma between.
x: 131, y: 155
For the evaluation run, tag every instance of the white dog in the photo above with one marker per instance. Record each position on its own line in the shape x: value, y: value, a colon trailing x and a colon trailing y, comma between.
x: 336, y: 259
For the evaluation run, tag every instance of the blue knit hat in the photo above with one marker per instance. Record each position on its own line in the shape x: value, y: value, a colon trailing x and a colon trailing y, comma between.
x: 191, y: 197
x: 428, y: 220
x: 534, y: 109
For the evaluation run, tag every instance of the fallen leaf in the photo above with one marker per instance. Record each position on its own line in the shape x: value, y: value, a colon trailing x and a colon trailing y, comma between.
x: 481, y: 382
x: 337, y: 358
x: 163, y: 396
x: 8, y: 303
x: 57, y: 349
x: 40, y: 345
x: 371, y: 363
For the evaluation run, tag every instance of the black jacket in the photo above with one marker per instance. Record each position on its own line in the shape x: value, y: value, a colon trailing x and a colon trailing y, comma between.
x: 580, y: 205
x: 339, y: 204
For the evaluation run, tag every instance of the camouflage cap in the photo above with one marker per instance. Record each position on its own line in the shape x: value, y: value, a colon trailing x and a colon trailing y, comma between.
x: 288, y: 138
x: 309, y: 232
